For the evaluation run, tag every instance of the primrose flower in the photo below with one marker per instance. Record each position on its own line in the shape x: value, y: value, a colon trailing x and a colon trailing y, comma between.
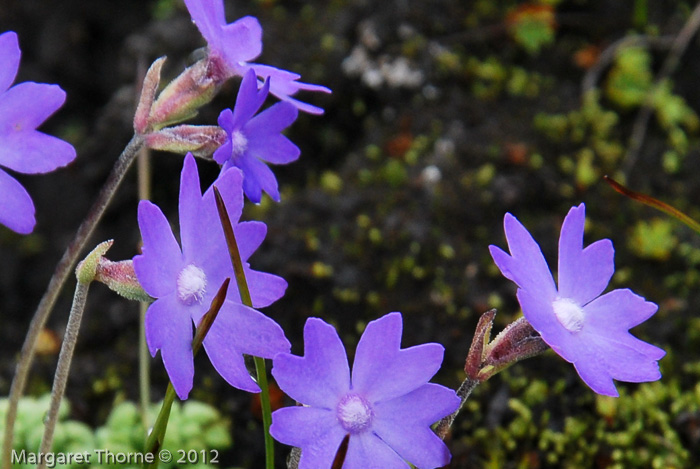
x: 24, y: 149
x: 586, y: 329
x: 232, y: 47
x: 185, y: 280
x: 386, y: 405
x: 254, y: 140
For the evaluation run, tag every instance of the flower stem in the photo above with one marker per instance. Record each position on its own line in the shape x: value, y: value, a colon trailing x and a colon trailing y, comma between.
x: 157, y: 435
x: 144, y: 193
x: 63, y: 367
x: 144, y: 367
x: 464, y: 391
x: 85, y: 274
x: 246, y: 299
x: 63, y: 270
x: 266, y: 411
x: 155, y: 439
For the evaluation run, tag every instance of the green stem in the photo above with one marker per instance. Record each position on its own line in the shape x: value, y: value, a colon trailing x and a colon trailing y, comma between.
x: 154, y: 442
x: 144, y: 367
x: 61, y: 274
x: 157, y: 435
x: 260, y: 369
x: 266, y: 411
x: 144, y: 192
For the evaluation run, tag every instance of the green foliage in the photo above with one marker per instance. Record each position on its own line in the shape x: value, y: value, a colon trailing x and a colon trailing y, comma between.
x: 491, y: 78
x: 630, y: 85
x: 591, y: 131
x: 532, y: 27
x: 193, y: 426
x: 637, y: 430
x: 653, y: 239
x: 630, y: 79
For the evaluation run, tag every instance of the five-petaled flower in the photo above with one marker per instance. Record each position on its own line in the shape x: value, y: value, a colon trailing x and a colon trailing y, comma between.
x: 232, y: 46
x: 24, y: 149
x: 251, y: 141
x: 586, y: 329
x: 386, y: 405
x: 184, y: 282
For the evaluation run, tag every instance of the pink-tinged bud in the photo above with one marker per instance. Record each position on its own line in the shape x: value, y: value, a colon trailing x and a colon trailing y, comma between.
x: 86, y: 271
x: 148, y: 93
x: 482, y: 335
x: 181, y: 99
x: 121, y: 278
x: 516, y: 342
x: 200, y: 140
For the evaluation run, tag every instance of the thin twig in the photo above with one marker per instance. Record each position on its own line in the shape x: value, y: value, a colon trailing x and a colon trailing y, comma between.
x: 63, y: 270
x: 680, y: 43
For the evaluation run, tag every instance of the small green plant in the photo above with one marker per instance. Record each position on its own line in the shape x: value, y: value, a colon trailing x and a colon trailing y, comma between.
x: 653, y: 239
x: 195, y: 427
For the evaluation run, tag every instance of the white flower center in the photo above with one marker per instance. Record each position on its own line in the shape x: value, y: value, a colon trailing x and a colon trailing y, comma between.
x: 354, y: 413
x: 191, y: 285
x: 239, y: 143
x: 569, y: 314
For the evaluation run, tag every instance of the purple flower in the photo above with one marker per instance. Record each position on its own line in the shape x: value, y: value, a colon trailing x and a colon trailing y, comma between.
x: 586, y: 329
x: 254, y: 140
x: 184, y: 282
x: 233, y: 46
x: 24, y: 149
x: 386, y: 405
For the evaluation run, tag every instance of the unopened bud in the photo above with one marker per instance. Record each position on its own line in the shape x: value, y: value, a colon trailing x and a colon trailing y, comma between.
x: 516, y: 342
x: 121, y: 278
x: 200, y: 140
x: 87, y: 268
x: 148, y: 93
x: 181, y: 99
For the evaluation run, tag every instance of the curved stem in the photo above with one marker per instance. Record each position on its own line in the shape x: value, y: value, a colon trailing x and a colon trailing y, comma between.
x: 63, y: 367
x: 63, y: 270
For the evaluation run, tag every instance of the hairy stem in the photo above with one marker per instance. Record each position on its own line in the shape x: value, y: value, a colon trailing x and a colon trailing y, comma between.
x: 63, y: 270
x: 63, y: 368
x: 464, y: 391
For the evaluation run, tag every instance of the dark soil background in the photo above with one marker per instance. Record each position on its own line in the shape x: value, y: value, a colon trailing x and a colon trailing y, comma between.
x: 401, y: 187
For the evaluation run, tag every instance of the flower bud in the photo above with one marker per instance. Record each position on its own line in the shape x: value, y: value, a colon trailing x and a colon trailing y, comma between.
x: 121, y: 278
x: 516, y: 342
x: 200, y: 140
x: 148, y: 93
x: 87, y: 268
x: 181, y: 99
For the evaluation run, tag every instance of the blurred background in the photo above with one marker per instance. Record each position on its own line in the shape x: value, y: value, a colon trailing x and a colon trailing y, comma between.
x: 444, y: 116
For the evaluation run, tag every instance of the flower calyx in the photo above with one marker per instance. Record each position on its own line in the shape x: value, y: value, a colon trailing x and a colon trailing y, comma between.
x: 516, y: 342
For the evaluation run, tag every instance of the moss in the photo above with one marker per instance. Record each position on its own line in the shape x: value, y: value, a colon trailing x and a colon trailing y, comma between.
x: 653, y: 239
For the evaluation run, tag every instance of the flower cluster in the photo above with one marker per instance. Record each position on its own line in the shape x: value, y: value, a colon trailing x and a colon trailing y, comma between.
x: 379, y: 412
x: 23, y: 108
